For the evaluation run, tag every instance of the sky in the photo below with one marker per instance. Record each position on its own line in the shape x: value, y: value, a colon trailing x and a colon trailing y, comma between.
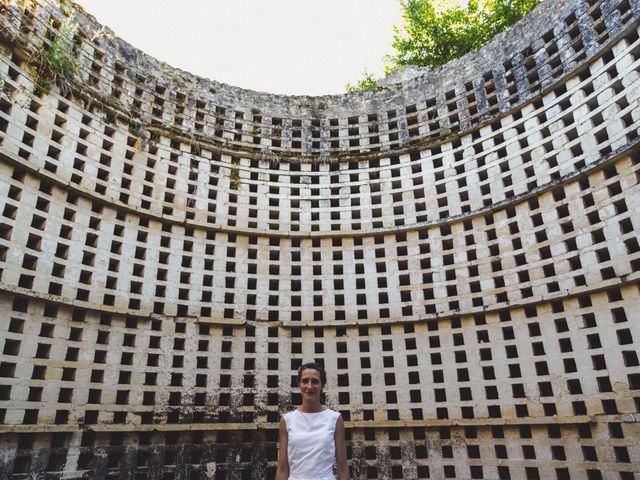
x: 294, y: 47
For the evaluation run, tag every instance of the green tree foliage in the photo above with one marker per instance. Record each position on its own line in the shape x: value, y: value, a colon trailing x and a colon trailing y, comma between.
x: 433, y: 37
x: 367, y: 82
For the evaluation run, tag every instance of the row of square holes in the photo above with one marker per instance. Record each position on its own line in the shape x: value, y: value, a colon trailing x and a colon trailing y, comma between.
x: 339, y: 218
x: 436, y: 452
x: 622, y: 11
x: 391, y: 252
x: 448, y: 368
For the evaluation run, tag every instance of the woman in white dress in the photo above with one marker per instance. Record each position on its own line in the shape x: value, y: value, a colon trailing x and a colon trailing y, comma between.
x: 312, y: 436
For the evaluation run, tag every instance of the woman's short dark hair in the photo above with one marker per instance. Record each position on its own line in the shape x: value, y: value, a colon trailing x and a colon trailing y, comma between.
x: 313, y: 366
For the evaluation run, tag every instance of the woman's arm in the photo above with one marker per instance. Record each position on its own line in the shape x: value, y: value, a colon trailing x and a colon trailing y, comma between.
x: 282, y: 472
x: 341, y: 450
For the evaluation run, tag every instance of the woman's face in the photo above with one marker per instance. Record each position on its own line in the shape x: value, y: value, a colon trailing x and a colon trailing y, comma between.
x: 310, y: 384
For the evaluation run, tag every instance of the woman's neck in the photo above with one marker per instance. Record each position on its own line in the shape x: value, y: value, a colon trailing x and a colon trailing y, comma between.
x: 311, y: 407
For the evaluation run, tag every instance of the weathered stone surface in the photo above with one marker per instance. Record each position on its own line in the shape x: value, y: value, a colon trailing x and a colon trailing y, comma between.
x: 459, y: 248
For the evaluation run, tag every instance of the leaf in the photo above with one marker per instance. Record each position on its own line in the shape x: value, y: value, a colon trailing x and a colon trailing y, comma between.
x: 428, y: 37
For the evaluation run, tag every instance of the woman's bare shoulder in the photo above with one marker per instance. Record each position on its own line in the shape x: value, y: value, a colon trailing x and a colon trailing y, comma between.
x: 284, y: 416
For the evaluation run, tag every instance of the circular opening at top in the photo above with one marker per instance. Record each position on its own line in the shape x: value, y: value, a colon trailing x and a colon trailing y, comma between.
x: 285, y: 47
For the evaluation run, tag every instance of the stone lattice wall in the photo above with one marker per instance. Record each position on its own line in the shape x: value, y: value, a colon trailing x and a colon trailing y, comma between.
x: 460, y: 250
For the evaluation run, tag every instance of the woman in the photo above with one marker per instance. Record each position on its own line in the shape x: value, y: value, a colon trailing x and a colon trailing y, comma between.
x: 312, y: 436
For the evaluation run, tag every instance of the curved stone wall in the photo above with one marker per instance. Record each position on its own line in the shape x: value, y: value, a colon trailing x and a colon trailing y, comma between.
x: 459, y: 249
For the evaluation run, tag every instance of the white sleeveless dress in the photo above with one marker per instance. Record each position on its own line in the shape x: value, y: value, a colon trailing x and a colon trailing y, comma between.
x: 311, y: 444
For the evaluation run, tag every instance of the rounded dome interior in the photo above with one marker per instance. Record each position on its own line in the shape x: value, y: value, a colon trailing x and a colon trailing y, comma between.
x: 459, y: 249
